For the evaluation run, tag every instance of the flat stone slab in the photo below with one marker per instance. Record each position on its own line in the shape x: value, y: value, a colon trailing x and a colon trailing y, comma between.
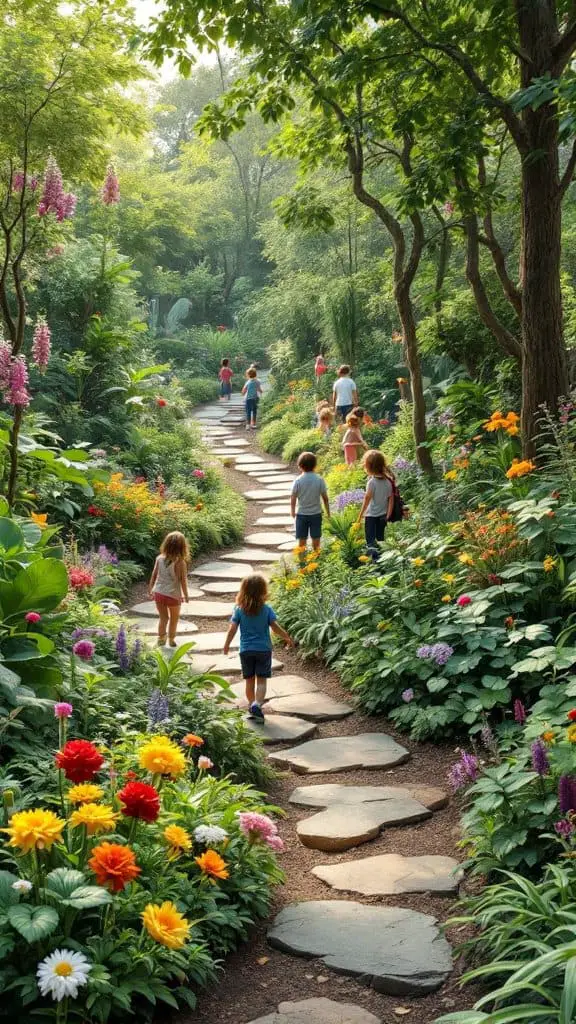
x: 396, y: 951
x: 281, y: 729
x: 211, y: 609
x: 274, y: 509
x: 262, y: 494
x: 221, y: 570
x: 267, y: 538
x: 250, y: 555
x: 238, y: 442
x: 341, y: 827
x: 221, y: 587
x: 212, y: 642
x: 248, y: 460
x: 343, y: 753
x: 267, y: 467
x: 287, y: 546
x: 390, y: 874
x: 149, y: 607
x: 225, y: 453
x: 282, y: 686
x: 150, y: 625
x: 223, y: 665
x: 331, y: 793
x: 318, y: 1011
x: 315, y: 706
x: 274, y: 521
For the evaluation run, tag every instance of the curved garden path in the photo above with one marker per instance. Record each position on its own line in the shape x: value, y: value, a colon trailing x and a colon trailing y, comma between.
x: 368, y: 867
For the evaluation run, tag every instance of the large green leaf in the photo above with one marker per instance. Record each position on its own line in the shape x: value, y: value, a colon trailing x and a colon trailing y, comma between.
x: 69, y: 888
x: 8, y: 895
x: 26, y: 647
x: 33, y: 923
x: 40, y: 587
x: 11, y: 536
x: 63, y: 881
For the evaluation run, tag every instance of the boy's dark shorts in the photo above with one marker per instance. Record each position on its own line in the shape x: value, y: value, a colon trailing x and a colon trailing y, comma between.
x: 256, y: 663
x: 308, y: 525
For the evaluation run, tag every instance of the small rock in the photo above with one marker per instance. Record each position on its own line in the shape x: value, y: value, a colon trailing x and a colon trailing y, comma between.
x: 263, y: 960
x: 322, y: 979
x: 401, y: 1011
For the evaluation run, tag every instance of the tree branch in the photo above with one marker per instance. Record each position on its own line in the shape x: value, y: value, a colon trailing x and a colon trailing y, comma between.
x: 568, y: 174
x: 507, y: 341
x: 566, y: 45
x: 511, y: 292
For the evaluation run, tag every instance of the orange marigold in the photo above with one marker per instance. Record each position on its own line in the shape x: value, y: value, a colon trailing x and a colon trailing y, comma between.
x: 211, y: 863
x: 114, y: 865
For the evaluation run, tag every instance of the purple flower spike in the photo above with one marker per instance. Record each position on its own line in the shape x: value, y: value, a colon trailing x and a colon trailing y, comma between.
x: 464, y: 771
x: 540, y: 762
x: 519, y: 712
x: 567, y: 794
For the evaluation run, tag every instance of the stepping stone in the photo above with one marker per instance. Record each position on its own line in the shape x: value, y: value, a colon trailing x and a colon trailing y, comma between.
x: 343, y: 753
x: 221, y: 587
x: 266, y: 467
x: 287, y: 545
x: 226, y: 666
x: 318, y: 1011
x: 390, y: 874
x: 267, y: 538
x: 396, y: 951
x: 221, y: 570
x: 331, y: 793
x: 248, y: 460
x: 212, y: 642
x: 250, y: 555
x: 149, y: 607
x: 224, y: 453
x: 281, y: 729
x: 315, y: 706
x: 280, y: 488
x: 341, y: 827
x: 215, y: 433
x: 150, y: 625
x: 282, y: 686
x: 211, y: 609
x: 275, y: 521
x: 262, y: 495
x: 238, y: 442
x: 277, y: 509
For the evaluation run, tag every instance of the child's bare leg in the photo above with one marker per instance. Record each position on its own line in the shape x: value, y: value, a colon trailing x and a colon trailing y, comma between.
x: 173, y: 619
x: 316, y: 544
x: 261, y: 684
x: 250, y: 689
x: 162, y: 623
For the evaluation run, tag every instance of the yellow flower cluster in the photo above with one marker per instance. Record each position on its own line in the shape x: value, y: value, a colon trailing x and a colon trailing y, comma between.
x: 166, y: 925
x: 161, y: 756
x: 520, y: 468
x: 549, y: 563
x: 498, y: 421
x: 36, y: 829
x: 96, y: 818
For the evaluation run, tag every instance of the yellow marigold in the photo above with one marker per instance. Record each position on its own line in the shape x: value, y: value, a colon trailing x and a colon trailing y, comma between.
x: 496, y: 422
x: 549, y: 736
x: 40, y: 518
x: 299, y: 550
x: 161, y: 756
x: 166, y: 925
x: 34, y: 830
x: 465, y: 558
x: 311, y: 567
x: 85, y: 793
x: 520, y: 468
x: 96, y: 817
x: 446, y: 598
x: 549, y: 563
x: 355, y: 527
x: 178, y: 839
x: 571, y: 734
x: 364, y: 558
x: 311, y: 556
x: 293, y: 584
x: 452, y: 474
x: 418, y: 561
x: 448, y: 577
x: 513, y: 430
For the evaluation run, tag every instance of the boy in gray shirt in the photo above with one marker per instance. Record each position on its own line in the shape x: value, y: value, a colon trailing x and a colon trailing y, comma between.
x: 310, y: 492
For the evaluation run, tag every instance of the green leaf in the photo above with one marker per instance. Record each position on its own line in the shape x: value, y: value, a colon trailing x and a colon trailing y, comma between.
x: 8, y: 895
x: 11, y: 536
x: 63, y: 881
x: 33, y: 923
x: 40, y: 587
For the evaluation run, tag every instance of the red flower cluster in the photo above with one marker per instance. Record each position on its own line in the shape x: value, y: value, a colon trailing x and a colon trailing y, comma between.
x: 572, y: 715
x: 161, y: 402
x: 80, y: 578
x: 384, y: 423
x: 494, y: 579
x: 79, y: 760
x: 140, y: 800
x: 93, y: 510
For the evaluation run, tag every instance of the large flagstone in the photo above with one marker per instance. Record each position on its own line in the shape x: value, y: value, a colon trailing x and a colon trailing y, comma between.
x: 221, y: 571
x: 149, y: 607
x: 343, y: 753
x: 221, y: 587
x: 318, y: 1011
x: 150, y: 625
x: 281, y: 686
x: 265, y: 538
x: 280, y: 729
x: 315, y: 707
x: 274, y: 521
x: 225, y: 665
x: 213, y: 642
x: 211, y: 609
x: 390, y: 874
x: 250, y: 555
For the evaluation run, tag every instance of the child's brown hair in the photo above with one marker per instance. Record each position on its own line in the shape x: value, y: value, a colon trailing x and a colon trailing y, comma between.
x: 252, y: 595
x: 251, y: 372
x: 225, y: 362
x: 175, y: 546
x: 375, y: 463
x: 326, y: 414
x: 307, y: 462
x: 322, y: 404
x: 344, y: 369
x: 352, y: 420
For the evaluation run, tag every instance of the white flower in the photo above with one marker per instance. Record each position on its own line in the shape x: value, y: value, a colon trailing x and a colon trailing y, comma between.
x: 62, y: 973
x: 210, y: 835
x: 22, y: 885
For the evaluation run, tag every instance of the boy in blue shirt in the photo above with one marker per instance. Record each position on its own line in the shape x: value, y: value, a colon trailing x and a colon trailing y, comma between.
x: 252, y: 391
x: 255, y: 619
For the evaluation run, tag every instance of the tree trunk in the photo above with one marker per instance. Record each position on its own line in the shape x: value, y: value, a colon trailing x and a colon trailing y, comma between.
x: 545, y: 365
x: 406, y: 311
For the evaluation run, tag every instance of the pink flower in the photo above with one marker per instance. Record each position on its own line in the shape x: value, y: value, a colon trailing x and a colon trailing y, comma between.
x: 110, y: 192
x: 62, y: 709
x: 84, y: 649
x: 32, y: 617
x: 5, y: 361
x: 463, y: 600
x: 198, y: 473
x: 257, y: 826
x: 41, y: 344
x: 18, y: 383
x: 53, y: 191
x: 204, y: 763
x: 448, y: 208
x: 275, y: 843
x: 18, y: 180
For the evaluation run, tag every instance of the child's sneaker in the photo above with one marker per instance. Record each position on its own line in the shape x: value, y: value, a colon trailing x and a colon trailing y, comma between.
x: 256, y: 712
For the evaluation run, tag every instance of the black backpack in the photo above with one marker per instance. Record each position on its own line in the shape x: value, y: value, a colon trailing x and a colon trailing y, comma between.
x: 399, y: 507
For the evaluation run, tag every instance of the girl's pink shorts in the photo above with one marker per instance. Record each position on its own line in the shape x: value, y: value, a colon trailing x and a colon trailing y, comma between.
x: 168, y: 602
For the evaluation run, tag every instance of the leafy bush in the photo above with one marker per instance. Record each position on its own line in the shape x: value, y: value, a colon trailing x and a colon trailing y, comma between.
x: 199, y: 389
x: 275, y: 435
x: 303, y: 441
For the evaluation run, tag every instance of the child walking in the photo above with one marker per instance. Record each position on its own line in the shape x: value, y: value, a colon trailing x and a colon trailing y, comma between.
x: 310, y: 492
x: 344, y: 393
x: 378, y: 504
x: 252, y: 391
x: 169, y: 585
x: 225, y: 377
x: 326, y: 421
x: 352, y: 442
x: 255, y: 619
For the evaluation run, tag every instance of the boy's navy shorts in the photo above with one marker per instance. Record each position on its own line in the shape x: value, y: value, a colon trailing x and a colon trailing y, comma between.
x: 256, y: 663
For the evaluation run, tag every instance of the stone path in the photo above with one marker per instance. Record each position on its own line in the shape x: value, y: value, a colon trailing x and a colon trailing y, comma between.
x: 393, y: 951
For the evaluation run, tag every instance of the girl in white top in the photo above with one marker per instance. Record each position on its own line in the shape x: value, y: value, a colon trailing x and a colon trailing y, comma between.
x: 169, y: 585
x: 378, y: 504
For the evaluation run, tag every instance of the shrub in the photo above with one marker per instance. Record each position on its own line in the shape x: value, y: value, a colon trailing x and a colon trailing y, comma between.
x: 303, y: 441
x: 273, y: 436
x: 199, y: 389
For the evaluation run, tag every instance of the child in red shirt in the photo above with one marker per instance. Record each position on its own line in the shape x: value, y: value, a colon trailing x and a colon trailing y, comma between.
x: 225, y: 377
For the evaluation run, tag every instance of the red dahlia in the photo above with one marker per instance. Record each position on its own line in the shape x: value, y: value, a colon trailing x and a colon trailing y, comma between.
x: 79, y: 760
x: 140, y: 800
x: 572, y: 715
x: 80, y: 578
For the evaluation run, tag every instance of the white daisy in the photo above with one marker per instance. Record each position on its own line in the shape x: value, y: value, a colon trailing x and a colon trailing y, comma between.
x: 62, y: 973
x: 210, y: 835
x: 22, y: 885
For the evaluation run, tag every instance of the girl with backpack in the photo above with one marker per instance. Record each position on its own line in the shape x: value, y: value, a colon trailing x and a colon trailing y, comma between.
x: 378, y: 505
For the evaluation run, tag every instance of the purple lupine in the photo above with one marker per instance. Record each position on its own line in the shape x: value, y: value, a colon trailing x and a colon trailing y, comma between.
x: 107, y: 556
x: 41, y: 344
x: 341, y: 605
x: 346, y: 498
x: 564, y: 828
x: 158, y: 707
x: 17, y: 393
x: 135, y: 652
x: 403, y: 464
x: 567, y: 793
x: 424, y: 652
x: 110, y: 192
x: 83, y: 631
x: 121, y: 647
x: 407, y: 696
x: 519, y: 712
x: 540, y: 762
x: 463, y: 771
